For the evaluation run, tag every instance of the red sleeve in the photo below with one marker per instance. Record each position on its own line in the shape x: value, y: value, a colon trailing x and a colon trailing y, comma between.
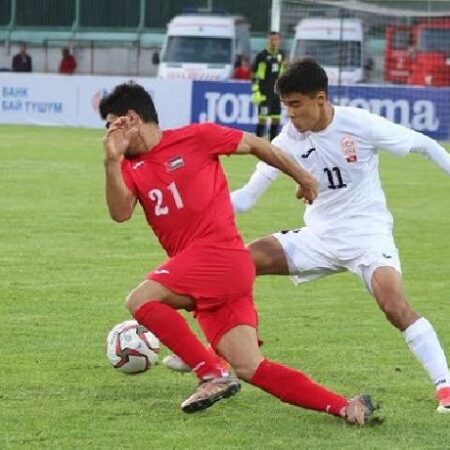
x: 126, y: 175
x: 218, y: 140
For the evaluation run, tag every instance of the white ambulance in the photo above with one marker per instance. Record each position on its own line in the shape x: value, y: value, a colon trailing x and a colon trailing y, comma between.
x: 336, y: 44
x: 203, y: 46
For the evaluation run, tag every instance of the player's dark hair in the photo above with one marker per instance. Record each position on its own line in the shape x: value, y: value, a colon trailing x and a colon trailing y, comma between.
x: 305, y: 76
x: 274, y: 33
x: 128, y: 96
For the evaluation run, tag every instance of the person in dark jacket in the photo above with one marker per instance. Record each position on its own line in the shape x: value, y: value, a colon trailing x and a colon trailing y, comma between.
x: 22, y: 61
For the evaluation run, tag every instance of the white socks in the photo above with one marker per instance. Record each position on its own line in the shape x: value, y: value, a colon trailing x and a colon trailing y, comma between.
x: 424, y: 343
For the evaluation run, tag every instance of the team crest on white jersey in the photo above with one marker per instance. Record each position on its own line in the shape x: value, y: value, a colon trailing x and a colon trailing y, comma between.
x: 174, y: 163
x: 348, y: 146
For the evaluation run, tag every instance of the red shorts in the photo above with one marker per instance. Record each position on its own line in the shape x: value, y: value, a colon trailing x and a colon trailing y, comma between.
x: 219, y: 280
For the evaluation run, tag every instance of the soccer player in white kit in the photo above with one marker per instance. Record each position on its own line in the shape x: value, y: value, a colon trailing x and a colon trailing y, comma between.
x: 348, y: 227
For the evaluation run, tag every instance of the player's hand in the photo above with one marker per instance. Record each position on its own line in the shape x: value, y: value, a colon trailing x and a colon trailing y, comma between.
x: 258, y: 98
x: 117, y: 139
x: 308, y: 189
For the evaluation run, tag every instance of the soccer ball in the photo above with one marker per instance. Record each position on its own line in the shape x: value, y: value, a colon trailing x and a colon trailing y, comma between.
x: 131, y: 348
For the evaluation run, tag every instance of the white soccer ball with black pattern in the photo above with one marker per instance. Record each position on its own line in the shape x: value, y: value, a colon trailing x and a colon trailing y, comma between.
x: 131, y: 348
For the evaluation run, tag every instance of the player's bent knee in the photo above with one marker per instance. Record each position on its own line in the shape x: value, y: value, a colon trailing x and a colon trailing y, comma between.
x: 268, y: 256
x: 133, y: 302
x: 142, y: 294
x: 245, y: 371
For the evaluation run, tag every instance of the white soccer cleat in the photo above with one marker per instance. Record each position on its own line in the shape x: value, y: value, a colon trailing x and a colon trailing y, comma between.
x: 443, y: 395
x: 173, y: 362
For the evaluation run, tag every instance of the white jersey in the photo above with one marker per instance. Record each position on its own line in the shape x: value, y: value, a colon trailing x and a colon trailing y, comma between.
x: 344, y: 158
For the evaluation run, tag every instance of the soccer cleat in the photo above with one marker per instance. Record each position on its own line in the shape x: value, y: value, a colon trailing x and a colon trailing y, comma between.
x: 359, y: 411
x: 209, y: 392
x: 443, y: 395
x: 173, y: 362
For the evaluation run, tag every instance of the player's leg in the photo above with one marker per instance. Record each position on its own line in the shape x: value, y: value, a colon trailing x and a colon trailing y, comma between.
x: 274, y: 126
x: 420, y: 336
x: 240, y: 347
x: 275, y: 116
x: 231, y: 330
x: 297, y: 252
x: 387, y: 288
x: 269, y: 256
x: 154, y: 306
x: 380, y: 270
x: 262, y: 119
x: 175, y: 363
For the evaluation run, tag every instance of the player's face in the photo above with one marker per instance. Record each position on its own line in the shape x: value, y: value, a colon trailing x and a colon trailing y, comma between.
x: 305, y: 111
x: 274, y: 41
x: 133, y: 148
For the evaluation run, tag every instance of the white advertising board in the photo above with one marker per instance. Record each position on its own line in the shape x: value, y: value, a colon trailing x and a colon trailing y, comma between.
x: 41, y: 99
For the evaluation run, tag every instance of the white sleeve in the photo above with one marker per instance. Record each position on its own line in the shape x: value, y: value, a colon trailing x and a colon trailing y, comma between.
x: 245, y: 198
x: 387, y: 135
x: 400, y: 141
x: 431, y: 150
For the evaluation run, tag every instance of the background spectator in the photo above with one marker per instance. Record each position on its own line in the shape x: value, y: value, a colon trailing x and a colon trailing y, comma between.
x: 68, y: 62
x: 243, y: 70
x: 22, y: 61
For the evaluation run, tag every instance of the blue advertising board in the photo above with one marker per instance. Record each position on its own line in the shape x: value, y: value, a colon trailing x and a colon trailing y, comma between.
x: 423, y: 109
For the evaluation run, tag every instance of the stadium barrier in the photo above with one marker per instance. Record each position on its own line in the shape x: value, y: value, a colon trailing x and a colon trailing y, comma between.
x: 43, y: 99
x: 73, y: 101
x: 424, y: 109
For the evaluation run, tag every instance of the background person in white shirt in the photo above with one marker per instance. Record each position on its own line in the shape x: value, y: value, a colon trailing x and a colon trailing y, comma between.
x: 348, y: 227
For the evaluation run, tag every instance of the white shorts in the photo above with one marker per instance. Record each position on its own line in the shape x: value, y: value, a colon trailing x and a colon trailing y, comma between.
x: 309, y: 258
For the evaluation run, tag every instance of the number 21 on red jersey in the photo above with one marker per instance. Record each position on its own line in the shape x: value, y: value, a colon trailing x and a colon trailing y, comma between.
x: 157, y: 196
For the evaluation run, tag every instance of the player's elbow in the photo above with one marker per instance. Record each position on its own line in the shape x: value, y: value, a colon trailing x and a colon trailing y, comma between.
x: 120, y: 216
x: 119, y: 219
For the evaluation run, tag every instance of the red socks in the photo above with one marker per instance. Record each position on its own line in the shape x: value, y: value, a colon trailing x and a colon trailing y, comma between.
x: 173, y: 331
x: 292, y: 386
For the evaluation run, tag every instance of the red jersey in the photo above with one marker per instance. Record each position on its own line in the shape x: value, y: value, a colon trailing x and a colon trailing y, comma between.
x: 243, y: 73
x: 182, y: 188
x: 68, y: 65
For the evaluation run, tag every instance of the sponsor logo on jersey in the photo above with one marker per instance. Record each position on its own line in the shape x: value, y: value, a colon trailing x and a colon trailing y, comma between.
x: 174, y: 163
x: 160, y: 271
x: 137, y: 165
x: 385, y: 255
x: 305, y: 155
x: 348, y: 147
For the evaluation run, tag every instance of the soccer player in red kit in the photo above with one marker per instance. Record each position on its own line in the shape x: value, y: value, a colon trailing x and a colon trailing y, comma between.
x: 177, y: 178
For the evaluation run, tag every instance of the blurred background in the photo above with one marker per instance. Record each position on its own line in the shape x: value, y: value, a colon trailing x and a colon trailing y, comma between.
x: 98, y: 32
x: 391, y: 57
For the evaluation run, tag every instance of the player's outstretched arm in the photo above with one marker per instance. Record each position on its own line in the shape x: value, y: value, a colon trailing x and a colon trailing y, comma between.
x: 246, y: 197
x: 119, y: 198
x: 265, y: 151
x: 431, y: 150
x: 400, y: 141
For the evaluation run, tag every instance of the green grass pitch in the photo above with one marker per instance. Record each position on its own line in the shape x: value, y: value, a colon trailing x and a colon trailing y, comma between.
x: 65, y: 269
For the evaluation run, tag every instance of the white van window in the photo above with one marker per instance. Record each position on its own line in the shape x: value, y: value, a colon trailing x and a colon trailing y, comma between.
x: 202, y: 50
x: 328, y: 53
